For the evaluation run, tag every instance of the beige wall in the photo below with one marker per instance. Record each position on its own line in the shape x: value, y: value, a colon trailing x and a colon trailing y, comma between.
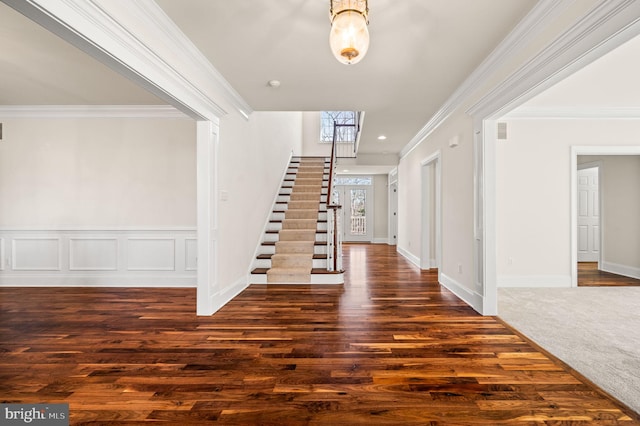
x: 534, y: 190
x: 97, y: 173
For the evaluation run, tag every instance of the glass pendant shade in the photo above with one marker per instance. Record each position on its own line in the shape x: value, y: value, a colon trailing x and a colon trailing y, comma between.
x: 349, y: 37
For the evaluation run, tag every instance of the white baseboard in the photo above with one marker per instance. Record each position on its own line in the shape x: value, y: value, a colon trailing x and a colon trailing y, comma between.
x: 470, y: 297
x: 227, y: 294
x: 616, y: 268
x: 540, y: 281
x: 102, y: 280
x: 410, y: 257
x: 380, y: 241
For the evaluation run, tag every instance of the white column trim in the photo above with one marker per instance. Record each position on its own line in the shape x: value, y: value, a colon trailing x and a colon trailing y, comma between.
x: 207, y: 205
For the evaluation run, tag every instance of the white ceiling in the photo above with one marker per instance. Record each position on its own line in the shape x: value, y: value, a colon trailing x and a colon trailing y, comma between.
x: 421, y: 51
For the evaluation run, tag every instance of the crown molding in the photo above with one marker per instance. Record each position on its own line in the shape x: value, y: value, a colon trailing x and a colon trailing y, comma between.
x: 90, y: 111
x: 544, y: 12
x: 587, y: 113
x: 196, y: 58
x: 139, y: 41
x: 607, y: 25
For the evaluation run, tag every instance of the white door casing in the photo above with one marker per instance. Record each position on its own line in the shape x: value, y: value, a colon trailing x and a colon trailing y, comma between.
x: 393, y: 213
x: 207, y: 207
x: 588, y: 231
x: 431, y: 207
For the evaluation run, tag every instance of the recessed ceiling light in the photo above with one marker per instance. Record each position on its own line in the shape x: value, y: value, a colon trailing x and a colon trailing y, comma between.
x: 273, y: 83
x: 381, y: 137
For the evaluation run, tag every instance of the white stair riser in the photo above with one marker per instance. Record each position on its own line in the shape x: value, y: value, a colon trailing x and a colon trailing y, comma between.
x: 266, y: 263
x: 274, y: 237
x: 317, y: 249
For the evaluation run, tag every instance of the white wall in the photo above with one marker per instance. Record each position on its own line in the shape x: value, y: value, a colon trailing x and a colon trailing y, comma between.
x: 620, y: 197
x: 253, y: 156
x: 311, y: 146
x: 97, y: 202
x: 533, y: 195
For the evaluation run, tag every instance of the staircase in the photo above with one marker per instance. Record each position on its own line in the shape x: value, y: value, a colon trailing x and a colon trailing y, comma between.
x: 294, y: 247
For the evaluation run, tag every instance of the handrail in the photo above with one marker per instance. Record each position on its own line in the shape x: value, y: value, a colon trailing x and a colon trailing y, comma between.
x: 330, y: 200
x: 334, y: 244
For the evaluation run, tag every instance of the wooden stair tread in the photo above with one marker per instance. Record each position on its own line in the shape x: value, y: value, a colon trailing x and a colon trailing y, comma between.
x: 284, y: 211
x: 280, y: 221
x: 273, y: 243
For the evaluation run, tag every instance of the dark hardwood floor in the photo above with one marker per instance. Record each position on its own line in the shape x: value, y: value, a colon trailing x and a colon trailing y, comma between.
x: 391, y: 346
x: 590, y: 276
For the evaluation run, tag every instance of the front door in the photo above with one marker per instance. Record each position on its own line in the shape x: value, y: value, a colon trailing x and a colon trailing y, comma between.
x: 357, y: 208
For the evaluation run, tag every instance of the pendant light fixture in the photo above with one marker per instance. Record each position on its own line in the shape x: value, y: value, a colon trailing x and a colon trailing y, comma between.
x: 349, y: 37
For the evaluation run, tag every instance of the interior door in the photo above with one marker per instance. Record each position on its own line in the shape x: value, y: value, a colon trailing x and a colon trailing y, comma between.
x: 357, y: 211
x: 588, y: 216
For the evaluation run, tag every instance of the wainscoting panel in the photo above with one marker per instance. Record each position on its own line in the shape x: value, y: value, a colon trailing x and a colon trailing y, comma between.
x: 36, y: 254
x: 93, y: 254
x: 98, y: 257
x: 191, y: 254
x: 151, y: 254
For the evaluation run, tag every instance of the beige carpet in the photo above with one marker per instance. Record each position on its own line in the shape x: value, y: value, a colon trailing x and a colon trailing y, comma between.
x: 595, y: 330
x: 293, y: 259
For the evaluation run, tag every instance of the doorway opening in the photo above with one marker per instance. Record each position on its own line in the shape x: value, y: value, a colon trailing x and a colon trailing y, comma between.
x: 615, y: 236
x: 431, y: 207
x: 355, y: 194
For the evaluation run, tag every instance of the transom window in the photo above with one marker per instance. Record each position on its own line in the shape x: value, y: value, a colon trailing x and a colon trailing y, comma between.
x: 344, y: 133
x: 353, y: 180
